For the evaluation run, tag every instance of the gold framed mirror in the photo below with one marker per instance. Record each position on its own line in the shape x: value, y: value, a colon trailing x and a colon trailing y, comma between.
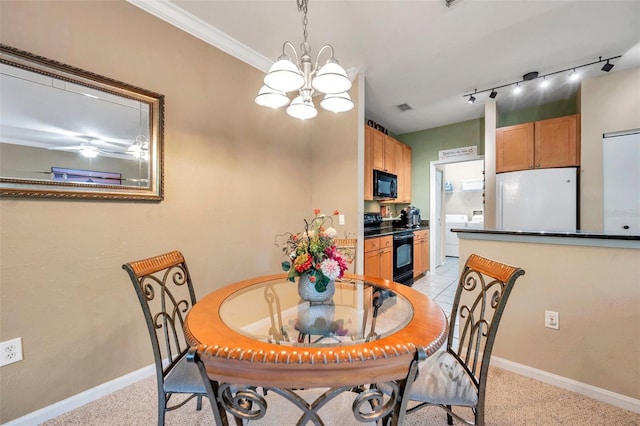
x: 70, y: 133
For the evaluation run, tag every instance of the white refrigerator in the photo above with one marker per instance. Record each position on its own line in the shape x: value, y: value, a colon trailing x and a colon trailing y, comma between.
x: 538, y: 200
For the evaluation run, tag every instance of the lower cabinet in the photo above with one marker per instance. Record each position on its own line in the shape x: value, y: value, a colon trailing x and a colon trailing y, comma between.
x: 420, y: 252
x: 378, y: 257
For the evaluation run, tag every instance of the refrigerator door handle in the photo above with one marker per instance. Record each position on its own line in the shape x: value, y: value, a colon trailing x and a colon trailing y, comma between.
x: 499, y: 206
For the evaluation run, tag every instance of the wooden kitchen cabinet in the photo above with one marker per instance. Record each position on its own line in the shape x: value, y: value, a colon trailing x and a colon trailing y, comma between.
x: 541, y: 144
x: 420, y: 252
x: 378, y: 257
x: 382, y: 152
x: 403, y: 161
x: 368, y: 163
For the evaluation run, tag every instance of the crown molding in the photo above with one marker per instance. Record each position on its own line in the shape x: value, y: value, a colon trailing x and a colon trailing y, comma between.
x: 179, y: 18
x: 169, y: 12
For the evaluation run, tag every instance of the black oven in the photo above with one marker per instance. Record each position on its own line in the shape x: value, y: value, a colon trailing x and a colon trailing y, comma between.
x: 403, y: 257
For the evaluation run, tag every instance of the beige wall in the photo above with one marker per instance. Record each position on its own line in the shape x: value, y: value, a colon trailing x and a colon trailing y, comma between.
x: 596, y: 293
x: 235, y: 176
x: 609, y: 103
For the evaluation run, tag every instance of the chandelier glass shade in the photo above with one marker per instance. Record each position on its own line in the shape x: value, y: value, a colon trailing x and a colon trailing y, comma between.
x: 287, y: 75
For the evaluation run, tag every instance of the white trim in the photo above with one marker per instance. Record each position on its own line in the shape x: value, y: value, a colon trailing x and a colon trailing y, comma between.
x: 61, y: 407
x: 176, y: 16
x: 596, y: 393
x: 90, y: 395
x: 179, y: 18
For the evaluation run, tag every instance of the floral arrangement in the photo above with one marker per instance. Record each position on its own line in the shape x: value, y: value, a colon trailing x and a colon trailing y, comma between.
x: 314, y: 252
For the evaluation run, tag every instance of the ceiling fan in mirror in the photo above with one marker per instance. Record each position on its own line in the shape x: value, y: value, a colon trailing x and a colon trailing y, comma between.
x: 91, y: 148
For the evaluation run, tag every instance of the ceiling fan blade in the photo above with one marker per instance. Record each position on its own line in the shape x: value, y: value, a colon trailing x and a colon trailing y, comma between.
x: 66, y: 148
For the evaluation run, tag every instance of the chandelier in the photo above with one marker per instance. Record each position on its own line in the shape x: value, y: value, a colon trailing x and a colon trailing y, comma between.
x: 286, y: 75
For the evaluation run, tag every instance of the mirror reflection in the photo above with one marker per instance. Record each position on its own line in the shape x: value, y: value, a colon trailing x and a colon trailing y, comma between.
x: 67, y: 133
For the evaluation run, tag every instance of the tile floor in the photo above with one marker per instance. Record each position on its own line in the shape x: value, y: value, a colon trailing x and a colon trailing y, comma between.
x: 440, y: 284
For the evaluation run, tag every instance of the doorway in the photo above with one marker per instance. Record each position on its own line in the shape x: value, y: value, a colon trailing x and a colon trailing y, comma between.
x: 454, y: 188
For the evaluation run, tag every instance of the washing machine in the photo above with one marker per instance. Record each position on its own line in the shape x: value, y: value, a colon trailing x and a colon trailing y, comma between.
x: 451, y: 242
x: 477, y: 220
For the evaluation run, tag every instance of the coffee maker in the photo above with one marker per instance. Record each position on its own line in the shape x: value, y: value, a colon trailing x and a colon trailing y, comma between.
x: 410, y: 217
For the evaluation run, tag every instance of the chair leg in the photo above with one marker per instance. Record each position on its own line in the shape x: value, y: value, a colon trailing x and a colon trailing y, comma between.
x: 162, y: 402
x: 199, y: 403
x: 449, y: 416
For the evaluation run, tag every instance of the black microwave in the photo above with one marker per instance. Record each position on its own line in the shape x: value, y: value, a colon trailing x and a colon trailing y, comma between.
x: 385, y: 185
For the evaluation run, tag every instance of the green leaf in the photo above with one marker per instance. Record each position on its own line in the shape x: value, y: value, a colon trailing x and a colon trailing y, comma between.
x: 321, y: 282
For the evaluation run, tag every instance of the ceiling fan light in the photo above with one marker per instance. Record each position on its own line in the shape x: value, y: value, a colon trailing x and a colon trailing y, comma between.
x: 284, y: 75
x: 331, y: 79
x: 338, y: 102
x: 271, y: 98
x: 89, y: 152
x: 302, y: 109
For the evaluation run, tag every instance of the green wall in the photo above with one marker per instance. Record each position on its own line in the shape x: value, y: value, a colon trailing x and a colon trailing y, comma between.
x: 541, y: 112
x: 425, y: 145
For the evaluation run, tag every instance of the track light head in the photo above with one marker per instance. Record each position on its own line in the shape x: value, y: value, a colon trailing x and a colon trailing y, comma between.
x: 472, y: 99
x: 544, y: 83
x: 517, y: 89
x: 607, y: 67
x: 574, y: 75
x: 493, y: 94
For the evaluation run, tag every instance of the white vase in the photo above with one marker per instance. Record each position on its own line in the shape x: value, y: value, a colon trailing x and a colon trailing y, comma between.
x: 307, y: 289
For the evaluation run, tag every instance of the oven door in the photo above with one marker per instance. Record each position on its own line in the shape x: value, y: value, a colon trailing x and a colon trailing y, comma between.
x: 403, y: 258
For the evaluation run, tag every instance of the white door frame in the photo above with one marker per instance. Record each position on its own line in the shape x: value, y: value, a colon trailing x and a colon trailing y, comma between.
x: 432, y: 202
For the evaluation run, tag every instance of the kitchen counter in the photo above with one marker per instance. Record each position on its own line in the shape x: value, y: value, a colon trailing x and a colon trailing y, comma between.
x: 581, y: 238
x: 389, y: 230
x: 591, y: 280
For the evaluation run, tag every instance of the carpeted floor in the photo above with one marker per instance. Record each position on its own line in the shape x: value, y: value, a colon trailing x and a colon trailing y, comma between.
x: 511, y: 400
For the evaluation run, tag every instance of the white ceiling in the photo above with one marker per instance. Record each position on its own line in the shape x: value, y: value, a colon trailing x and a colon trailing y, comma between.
x: 422, y: 52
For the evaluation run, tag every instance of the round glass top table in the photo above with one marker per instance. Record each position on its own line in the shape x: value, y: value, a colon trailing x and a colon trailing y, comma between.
x: 258, y: 332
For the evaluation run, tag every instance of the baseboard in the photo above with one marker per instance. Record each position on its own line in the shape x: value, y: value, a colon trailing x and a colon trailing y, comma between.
x: 71, y: 403
x: 78, y: 400
x: 596, y: 393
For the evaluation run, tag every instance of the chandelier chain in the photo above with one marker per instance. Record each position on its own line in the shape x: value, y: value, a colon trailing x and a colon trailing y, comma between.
x: 302, y: 7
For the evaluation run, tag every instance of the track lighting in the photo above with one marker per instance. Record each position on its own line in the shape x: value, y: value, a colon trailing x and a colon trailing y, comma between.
x: 544, y: 83
x: 574, y: 75
x: 533, y: 75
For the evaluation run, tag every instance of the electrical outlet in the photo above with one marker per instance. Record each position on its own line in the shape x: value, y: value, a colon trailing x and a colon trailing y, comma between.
x: 341, y: 219
x: 10, y: 351
x: 552, y: 320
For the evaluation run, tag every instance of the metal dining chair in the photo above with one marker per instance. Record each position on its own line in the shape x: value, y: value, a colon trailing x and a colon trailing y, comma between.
x: 165, y: 291
x: 457, y: 375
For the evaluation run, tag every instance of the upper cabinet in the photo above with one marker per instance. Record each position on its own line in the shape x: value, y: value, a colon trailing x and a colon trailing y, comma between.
x: 403, y: 162
x: 541, y: 144
x: 382, y: 152
x: 368, y: 162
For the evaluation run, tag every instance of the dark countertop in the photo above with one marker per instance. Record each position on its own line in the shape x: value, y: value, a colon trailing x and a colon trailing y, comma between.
x: 577, y: 234
x: 389, y: 230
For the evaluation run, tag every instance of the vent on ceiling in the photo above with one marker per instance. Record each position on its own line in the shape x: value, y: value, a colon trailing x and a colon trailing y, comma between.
x: 404, y: 107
